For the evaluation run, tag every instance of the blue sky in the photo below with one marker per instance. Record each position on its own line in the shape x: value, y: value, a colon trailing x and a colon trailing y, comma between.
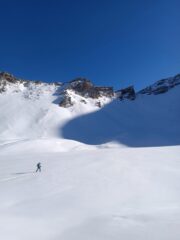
x: 111, y: 42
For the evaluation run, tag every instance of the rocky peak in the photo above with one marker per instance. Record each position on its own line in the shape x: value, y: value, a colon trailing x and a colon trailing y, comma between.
x: 86, y: 88
x: 8, y: 77
x: 126, y: 93
x: 81, y: 84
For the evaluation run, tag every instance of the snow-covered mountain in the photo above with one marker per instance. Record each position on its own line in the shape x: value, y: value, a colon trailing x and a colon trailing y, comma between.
x: 33, y: 109
x: 110, y: 161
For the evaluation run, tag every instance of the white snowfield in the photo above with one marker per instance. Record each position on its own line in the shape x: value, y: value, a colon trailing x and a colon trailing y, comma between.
x: 105, y: 191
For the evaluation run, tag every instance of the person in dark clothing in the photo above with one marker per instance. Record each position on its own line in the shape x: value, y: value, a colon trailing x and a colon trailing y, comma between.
x: 38, y: 167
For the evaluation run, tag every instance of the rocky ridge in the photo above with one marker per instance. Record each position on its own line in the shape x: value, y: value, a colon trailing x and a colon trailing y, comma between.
x: 81, y: 87
x: 85, y: 89
x: 161, y: 86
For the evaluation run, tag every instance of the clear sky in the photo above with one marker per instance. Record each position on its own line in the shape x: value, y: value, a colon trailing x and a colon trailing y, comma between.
x: 111, y: 42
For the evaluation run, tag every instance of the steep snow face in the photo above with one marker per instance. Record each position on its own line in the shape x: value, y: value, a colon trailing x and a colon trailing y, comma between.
x: 31, y: 110
x: 24, y: 109
x: 144, y: 122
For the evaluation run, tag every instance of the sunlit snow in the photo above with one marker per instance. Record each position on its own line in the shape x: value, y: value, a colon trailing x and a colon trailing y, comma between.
x: 104, y: 191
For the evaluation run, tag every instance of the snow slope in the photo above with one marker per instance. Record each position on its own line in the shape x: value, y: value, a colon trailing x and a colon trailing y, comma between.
x: 145, y: 122
x: 110, y: 173
x: 89, y: 193
x: 33, y: 112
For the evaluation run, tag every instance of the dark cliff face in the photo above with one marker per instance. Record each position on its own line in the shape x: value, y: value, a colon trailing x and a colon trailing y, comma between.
x: 126, y: 93
x: 85, y: 88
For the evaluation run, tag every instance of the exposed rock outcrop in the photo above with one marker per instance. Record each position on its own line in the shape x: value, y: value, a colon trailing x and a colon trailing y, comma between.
x: 66, y: 102
x: 80, y: 90
x: 8, y: 77
x: 85, y: 88
x: 161, y: 86
x: 126, y: 93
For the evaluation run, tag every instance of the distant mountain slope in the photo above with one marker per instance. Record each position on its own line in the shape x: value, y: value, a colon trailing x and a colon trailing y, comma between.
x: 161, y: 86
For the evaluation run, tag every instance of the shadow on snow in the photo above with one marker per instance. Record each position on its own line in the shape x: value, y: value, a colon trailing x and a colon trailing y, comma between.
x: 146, y: 122
x: 23, y: 173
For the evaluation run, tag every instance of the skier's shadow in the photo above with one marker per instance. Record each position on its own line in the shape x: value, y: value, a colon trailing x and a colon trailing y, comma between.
x: 22, y: 173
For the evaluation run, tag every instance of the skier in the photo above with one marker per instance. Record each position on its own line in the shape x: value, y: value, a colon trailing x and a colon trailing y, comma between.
x: 38, y: 167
